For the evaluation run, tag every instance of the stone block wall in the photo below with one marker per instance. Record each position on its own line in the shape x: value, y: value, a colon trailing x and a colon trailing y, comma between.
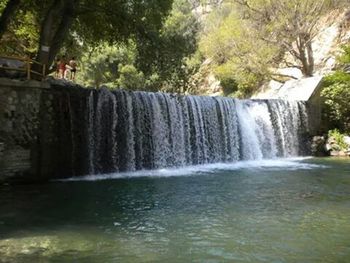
x: 314, y: 111
x: 19, y: 111
x: 36, y: 134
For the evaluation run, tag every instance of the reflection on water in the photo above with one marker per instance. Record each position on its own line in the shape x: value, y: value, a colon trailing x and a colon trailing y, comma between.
x: 282, y: 211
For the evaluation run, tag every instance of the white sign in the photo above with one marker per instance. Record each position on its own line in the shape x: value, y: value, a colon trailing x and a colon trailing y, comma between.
x: 45, y: 48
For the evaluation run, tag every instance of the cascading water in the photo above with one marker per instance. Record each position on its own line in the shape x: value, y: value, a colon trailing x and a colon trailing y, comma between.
x: 126, y: 131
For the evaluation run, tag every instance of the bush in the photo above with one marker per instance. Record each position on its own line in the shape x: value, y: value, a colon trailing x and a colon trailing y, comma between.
x: 338, y: 138
x: 337, y: 106
x: 337, y: 96
x: 130, y: 78
x: 227, y: 82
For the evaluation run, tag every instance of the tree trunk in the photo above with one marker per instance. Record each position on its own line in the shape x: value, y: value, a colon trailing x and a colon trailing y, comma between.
x: 47, y: 29
x: 306, y: 58
x: 310, y: 55
x: 63, y: 29
x: 9, y: 10
x: 54, y: 29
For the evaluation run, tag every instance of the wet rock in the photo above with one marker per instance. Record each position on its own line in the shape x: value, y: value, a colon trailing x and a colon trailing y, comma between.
x: 347, y: 140
x: 335, y: 149
x: 319, y: 146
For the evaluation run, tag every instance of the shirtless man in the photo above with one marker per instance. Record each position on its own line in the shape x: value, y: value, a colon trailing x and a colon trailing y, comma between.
x: 62, y: 67
x: 73, y: 70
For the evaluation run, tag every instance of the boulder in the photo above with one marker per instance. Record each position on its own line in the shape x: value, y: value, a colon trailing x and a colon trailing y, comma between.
x: 335, y: 149
x: 347, y: 140
x: 319, y: 147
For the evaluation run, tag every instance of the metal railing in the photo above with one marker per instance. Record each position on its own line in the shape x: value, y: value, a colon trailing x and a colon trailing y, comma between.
x: 22, y: 65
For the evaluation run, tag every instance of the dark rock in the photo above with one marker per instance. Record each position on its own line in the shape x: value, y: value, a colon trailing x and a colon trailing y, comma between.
x: 318, y: 146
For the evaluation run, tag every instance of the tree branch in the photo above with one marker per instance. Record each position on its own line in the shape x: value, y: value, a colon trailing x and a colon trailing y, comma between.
x: 275, y: 75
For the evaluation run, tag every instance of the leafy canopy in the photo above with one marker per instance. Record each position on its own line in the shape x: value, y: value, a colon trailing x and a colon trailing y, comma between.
x: 155, y: 63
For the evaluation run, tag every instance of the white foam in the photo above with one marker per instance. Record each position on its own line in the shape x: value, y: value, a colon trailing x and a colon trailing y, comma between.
x: 279, y: 164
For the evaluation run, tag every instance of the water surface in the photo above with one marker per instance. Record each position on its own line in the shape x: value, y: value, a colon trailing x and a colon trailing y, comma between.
x: 295, y: 210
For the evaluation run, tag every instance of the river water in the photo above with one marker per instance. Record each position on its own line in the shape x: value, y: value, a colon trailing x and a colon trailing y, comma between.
x: 285, y: 210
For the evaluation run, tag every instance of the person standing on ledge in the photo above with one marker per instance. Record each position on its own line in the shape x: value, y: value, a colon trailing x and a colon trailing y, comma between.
x: 73, y: 65
x: 62, y: 67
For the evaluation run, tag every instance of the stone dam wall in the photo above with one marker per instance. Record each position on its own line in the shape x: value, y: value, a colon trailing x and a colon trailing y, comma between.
x: 34, y: 120
x: 31, y: 118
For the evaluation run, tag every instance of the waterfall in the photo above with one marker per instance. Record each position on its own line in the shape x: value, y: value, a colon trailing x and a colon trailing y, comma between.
x: 126, y: 131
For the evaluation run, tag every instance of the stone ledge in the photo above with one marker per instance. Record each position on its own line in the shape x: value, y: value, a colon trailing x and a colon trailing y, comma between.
x: 6, y: 82
x: 303, y: 89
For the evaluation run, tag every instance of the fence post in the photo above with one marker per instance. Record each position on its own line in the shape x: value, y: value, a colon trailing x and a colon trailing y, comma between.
x: 28, y: 68
x: 44, y: 70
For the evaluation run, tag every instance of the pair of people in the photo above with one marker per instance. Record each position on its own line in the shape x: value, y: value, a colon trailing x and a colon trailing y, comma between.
x: 66, y: 70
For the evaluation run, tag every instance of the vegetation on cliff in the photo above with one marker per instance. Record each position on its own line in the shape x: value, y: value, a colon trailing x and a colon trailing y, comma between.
x: 337, y: 94
x: 249, y: 39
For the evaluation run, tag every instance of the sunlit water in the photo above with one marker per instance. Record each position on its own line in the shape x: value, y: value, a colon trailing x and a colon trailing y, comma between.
x: 295, y: 210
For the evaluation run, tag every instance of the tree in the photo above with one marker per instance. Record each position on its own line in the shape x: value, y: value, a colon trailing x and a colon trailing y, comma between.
x: 93, y: 22
x: 241, y: 60
x: 9, y: 9
x: 54, y: 29
x: 246, y: 40
x: 158, y: 61
x: 163, y: 58
x: 291, y: 25
x: 163, y: 34
x: 111, y: 65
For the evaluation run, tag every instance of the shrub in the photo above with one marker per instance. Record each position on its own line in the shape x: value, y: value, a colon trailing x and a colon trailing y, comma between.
x: 337, y: 95
x: 130, y: 78
x: 338, y: 138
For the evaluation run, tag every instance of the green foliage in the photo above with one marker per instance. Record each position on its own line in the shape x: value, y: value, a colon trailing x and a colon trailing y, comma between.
x: 337, y: 77
x: 167, y: 53
x: 117, y: 20
x: 160, y: 62
x: 337, y: 107
x: 248, y: 39
x: 239, y: 57
x: 227, y: 82
x: 22, y: 35
x: 93, y: 22
x: 100, y: 65
x: 339, y: 139
x: 155, y: 42
x: 130, y: 78
x: 28, y: 32
x: 344, y: 58
x: 2, y: 5
x: 336, y: 93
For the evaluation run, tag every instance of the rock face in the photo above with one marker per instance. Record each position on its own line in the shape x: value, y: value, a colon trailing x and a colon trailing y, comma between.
x: 322, y: 146
x: 338, y: 149
x: 301, y: 89
x: 318, y: 146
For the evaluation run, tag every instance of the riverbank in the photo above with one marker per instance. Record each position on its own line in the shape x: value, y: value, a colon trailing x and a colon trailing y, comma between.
x: 333, y: 144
